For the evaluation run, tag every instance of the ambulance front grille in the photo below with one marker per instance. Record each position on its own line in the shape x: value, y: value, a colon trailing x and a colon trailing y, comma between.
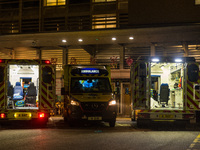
x: 98, y: 106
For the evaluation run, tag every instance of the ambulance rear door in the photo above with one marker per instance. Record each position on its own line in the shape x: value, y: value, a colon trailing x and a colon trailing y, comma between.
x: 140, y: 85
x: 3, y: 84
x: 47, y: 86
x: 192, y: 89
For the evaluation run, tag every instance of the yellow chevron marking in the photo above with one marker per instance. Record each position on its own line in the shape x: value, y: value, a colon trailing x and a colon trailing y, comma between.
x: 195, y: 144
x: 189, y: 102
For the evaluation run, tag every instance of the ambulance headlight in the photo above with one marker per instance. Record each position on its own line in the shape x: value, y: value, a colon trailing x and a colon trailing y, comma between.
x: 112, y: 103
x: 75, y: 103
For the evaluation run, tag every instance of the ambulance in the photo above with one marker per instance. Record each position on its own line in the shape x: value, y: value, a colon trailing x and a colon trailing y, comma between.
x: 27, y: 90
x: 165, y: 89
x: 88, y: 94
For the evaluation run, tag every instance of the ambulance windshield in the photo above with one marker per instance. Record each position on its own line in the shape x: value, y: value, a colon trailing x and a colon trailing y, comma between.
x: 88, y: 85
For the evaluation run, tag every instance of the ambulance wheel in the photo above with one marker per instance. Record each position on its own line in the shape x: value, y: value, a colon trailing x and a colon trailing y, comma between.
x: 112, y: 123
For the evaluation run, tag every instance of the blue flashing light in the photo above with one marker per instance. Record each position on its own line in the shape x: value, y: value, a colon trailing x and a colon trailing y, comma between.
x: 90, y: 71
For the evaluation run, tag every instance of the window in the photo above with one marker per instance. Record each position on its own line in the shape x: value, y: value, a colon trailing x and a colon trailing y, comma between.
x: 98, y: 1
x: 54, y: 2
x: 87, y: 85
x: 197, y: 2
x: 78, y: 1
x: 104, y: 21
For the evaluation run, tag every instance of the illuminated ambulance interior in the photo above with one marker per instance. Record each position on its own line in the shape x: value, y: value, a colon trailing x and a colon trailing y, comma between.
x: 23, y: 85
x: 167, y: 85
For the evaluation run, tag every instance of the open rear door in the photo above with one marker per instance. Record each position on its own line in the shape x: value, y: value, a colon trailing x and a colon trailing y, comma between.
x: 47, y: 86
x: 3, y: 86
x: 193, y: 87
x: 140, y: 76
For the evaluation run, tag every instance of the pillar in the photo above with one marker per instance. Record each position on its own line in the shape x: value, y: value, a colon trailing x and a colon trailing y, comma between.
x: 65, y: 55
x: 185, y: 48
x: 153, y: 49
x: 122, y: 56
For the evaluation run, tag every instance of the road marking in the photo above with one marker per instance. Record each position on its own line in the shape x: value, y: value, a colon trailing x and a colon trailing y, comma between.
x: 123, y: 125
x: 195, y: 144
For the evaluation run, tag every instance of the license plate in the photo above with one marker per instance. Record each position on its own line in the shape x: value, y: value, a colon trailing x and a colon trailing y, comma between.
x: 22, y: 115
x: 94, y: 118
x: 166, y: 116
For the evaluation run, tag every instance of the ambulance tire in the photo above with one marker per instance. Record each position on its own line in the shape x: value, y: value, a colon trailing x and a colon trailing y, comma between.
x: 112, y: 123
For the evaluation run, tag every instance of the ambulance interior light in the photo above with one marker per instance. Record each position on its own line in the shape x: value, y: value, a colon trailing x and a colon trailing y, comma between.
x: 155, y: 60
x: 178, y: 60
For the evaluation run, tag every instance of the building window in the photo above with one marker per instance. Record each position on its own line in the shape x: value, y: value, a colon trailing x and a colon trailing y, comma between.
x: 104, y: 21
x: 197, y: 2
x: 98, y: 1
x: 54, y: 2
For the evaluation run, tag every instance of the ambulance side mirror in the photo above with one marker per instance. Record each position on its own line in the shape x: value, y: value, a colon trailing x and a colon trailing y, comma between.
x: 1, y: 74
x: 193, y: 73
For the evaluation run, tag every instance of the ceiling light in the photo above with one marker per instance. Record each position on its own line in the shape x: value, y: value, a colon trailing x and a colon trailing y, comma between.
x: 114, y: 39
x: 64, y: 41
x: 131, y: 38
x: 80, y: 40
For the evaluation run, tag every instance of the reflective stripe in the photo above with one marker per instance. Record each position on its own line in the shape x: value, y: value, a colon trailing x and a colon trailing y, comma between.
x: 166, y: 111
